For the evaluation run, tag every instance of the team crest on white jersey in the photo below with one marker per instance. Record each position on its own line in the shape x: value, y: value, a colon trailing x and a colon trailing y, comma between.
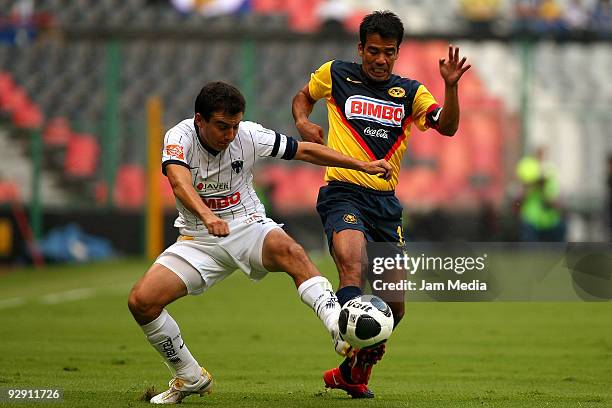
x: 237, y: 166
x: 374, y: 110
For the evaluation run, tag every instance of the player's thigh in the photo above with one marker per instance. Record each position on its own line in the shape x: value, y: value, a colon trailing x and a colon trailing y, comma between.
x: 200, y: 263
x: 280, y: 252
x: 190, y: 276
x: 158, y: 287
x: 384, y: 215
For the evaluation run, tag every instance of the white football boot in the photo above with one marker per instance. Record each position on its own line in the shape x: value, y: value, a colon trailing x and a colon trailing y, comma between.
x: 179, y: 389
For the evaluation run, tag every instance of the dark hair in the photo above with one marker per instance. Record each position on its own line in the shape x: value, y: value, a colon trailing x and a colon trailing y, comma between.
x: 219, y: 97
x: 384, y: 23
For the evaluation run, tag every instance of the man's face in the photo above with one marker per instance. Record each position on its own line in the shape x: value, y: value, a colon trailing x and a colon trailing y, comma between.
x: 378, y: 55
x: 220, y: 130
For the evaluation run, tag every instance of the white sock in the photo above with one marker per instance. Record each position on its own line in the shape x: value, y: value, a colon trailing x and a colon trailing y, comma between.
x: 317, y: 293
x: 164, y: 335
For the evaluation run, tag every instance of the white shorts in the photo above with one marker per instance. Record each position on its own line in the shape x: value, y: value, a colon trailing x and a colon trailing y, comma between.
x: 215, y: 258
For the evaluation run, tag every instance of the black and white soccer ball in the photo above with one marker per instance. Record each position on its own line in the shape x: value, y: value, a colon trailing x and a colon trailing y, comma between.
x: 365, y: 321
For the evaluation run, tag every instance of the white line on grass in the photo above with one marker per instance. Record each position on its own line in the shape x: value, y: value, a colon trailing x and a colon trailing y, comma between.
x: 66, y: 296
x: 70, y: 295
x: 11, y: 302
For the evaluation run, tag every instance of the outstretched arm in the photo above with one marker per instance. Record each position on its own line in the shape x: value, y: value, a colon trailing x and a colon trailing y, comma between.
x: 324, y: 156
x: 302, y: 108
x: 451, y: 71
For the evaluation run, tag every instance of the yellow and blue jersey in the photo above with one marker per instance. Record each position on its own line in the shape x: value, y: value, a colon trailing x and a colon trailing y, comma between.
x: 370, y: 120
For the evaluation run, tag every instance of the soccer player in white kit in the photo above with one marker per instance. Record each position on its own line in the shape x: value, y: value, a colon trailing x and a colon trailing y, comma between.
x: 208, y: 160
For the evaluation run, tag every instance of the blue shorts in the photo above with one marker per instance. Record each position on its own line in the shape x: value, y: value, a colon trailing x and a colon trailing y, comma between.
x: 378, y: 214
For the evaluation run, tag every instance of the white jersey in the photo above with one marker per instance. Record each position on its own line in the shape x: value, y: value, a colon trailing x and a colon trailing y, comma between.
x: 224, y: 180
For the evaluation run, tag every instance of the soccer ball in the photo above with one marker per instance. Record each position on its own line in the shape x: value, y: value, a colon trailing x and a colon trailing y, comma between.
x: 365, y: 321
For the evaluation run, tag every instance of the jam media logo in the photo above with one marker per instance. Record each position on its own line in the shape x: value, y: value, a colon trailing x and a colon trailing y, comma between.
x: 374, y: 110
x: 237, y: 166
x: 381, y: 133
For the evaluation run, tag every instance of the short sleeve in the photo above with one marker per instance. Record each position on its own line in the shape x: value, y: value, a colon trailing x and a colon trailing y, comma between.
x: 269, y: 143
x: 177, y: 146
x: 425, y: 109
x: 320, y: 83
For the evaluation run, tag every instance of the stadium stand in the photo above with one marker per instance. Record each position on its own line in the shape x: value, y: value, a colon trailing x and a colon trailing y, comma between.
x: 9, y: 192
x: 57, y: 133
x: 68, y: 94
x: 16, y: 173
x: 130, y: 187
x: 82, y: 152
x: 66, y: 80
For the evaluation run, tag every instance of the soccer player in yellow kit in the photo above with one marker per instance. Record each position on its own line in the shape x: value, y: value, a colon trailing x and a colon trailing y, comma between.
x: 370, y: 111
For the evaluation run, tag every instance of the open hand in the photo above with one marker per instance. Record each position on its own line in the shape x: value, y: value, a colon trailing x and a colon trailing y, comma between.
x: 453, y: 69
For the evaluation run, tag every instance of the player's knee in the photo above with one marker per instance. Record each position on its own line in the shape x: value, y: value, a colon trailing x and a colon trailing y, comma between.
x: 142, y: 305
x: 134, y: 301
x: 293, y: 252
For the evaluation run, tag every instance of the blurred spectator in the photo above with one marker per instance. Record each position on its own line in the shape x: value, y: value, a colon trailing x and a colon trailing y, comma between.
x: 525, y: 15
x: 576, y: 16
x: 21, y: 24
x: 540, y: 212
x: 601, y: 18
x: 538, y: 17
x: 332, y: 14
x: 23, y: 10
x: 19, y: 29
x: 480, y: 15
x: 550, y: 18
x: 211, y: 7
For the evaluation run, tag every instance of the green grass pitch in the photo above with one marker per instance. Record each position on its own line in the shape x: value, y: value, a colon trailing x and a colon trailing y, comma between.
x: 69, y: 327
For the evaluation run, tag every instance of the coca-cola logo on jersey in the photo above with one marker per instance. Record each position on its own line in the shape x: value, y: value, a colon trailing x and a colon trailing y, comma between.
x: 381, y: 133
x: 221, y: 203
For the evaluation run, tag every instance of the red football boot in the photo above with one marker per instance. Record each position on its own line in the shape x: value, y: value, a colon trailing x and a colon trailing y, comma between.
x: 362, y: 362
x: 333, y: 379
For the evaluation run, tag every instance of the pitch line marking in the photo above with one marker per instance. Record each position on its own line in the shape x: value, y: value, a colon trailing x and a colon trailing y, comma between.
x: 70, y: 295
x: 66, y: 296
x: 11, y: 302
